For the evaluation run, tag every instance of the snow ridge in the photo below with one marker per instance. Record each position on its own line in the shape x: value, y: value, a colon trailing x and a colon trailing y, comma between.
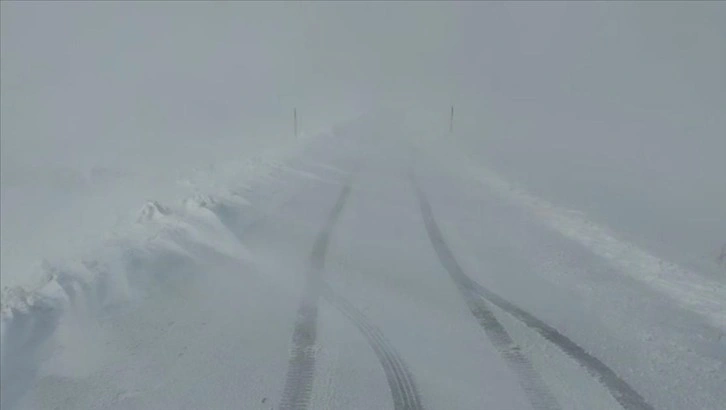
x: 133, y: 263
x: 691, y: 291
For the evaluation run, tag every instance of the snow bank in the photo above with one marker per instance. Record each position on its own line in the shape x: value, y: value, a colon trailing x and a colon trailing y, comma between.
x: 692, y: 291
x: 158, y: 251
x: 159, y: 248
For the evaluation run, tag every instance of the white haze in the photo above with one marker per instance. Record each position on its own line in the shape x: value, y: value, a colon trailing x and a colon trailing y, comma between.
x: 614, y: 109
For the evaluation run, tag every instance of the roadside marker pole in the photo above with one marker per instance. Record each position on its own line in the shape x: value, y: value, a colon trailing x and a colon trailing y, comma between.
x: 451, y: 121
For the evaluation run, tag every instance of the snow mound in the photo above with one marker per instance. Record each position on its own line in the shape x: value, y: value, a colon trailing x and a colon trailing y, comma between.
x: 162, y: 249
x: 152, y: 210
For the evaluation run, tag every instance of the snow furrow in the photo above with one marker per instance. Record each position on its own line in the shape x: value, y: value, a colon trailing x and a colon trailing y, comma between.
x: 301, y: 367
x: 619, y: 388
x: 623, y: 393
x: 400, y: 380
x: 537, y: 392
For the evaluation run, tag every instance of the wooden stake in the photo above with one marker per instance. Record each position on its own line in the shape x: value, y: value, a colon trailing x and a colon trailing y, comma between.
x: 451, y: 121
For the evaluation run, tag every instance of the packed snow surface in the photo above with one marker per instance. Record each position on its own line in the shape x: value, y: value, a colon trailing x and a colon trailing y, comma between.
x: 369, y: 267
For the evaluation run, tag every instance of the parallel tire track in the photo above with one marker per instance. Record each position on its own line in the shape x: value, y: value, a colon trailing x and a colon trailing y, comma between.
x: 301, y: 365
x: 621, y: 391
x: 618, y: 388
x: 531, y: 382
x: 400, y: 381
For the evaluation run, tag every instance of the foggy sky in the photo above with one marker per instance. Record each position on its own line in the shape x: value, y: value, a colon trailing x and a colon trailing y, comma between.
x: 97, y: 73
x: 636, y: 91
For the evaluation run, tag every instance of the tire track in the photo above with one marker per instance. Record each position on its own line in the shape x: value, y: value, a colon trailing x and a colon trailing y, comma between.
x: 621, y: 391
x: 535, y: 389
x: 301, y: 365
x: 400, y: 380
x: 625, y: 395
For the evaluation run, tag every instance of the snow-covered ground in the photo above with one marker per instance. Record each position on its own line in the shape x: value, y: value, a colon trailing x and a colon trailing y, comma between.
x: 368, y: 269
x: 167, y: 242
x: 50, y: 212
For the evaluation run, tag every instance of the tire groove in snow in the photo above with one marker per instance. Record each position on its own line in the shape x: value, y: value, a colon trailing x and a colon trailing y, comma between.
x: 537, y: 392
x: 403, y: 389
x: 618, y: 388
x: 621, y: 391
x: 301, y: 366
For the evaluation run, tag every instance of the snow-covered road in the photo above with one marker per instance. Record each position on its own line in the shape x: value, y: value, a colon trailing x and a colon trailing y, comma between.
x: 373, y: 270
